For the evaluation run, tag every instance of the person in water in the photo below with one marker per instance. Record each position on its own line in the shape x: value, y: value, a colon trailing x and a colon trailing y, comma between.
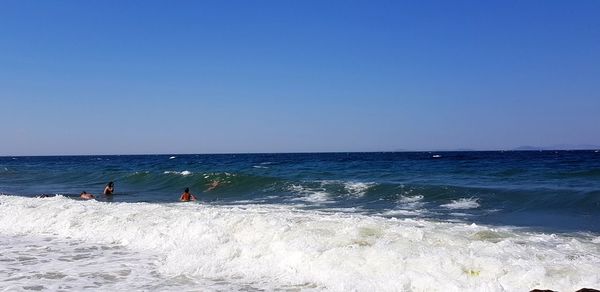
x: 109, y: 189
x: 186, y: 196
x: 86, y: 196
x: 213, y: 185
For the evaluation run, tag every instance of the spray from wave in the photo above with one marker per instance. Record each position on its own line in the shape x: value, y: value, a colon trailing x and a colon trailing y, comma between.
x: 462, y: 203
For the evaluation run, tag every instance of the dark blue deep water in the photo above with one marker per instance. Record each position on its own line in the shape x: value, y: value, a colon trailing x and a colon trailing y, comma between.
x: 545, y: 190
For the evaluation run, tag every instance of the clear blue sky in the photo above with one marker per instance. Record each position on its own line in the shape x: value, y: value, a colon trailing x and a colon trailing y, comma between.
x: 120, y: 77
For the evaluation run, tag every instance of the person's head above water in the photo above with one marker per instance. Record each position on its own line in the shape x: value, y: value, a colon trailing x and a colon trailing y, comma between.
x: 187, y: 190
x: 109, y: 189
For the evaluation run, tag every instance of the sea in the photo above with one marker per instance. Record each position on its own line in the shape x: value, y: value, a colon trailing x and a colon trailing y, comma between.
x: 389, y: 221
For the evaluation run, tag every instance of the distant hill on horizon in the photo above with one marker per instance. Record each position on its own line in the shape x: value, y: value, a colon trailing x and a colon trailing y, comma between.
x: 520, y: 148
x: 558, y: 147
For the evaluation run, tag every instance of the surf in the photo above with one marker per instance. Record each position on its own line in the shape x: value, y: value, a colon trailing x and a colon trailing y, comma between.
x: 277, y: 246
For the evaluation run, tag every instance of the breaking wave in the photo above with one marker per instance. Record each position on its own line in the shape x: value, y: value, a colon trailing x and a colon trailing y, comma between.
x: 276, y: 247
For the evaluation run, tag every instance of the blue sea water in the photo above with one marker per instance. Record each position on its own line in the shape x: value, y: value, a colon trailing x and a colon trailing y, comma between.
x: 555, y: 190
x: 405, y: 221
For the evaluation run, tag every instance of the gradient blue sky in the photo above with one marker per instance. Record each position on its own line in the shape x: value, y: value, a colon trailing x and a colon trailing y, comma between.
x: 120, y: 77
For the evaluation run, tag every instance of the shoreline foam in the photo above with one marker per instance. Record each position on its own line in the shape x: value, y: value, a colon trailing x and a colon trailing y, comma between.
x: 278, y: 246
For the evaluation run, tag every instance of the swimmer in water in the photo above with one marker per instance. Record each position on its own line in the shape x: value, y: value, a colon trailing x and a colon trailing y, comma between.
x: 109, y: 189
x: 86, y: 196
x: 213, y: 185
x: 186, y: 196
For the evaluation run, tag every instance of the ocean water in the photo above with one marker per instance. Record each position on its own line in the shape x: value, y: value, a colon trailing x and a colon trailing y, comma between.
x: 421, y: 221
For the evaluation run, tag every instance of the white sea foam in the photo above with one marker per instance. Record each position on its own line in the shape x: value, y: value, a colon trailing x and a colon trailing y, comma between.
x: 172, y: 157
x: 184, y: 173
x: 272, y: 247
x: 357, y: 189
x: 401, y: 212
x: 311, y: 195
x: 410, y: 199
x: 260, y: 166
x: 463, y: 203
x: 411, y: 203
x: 50, y: 263
x: 316, y: 197
x: 457, y: 214
x: 353, y: 188
x: 407, y: 206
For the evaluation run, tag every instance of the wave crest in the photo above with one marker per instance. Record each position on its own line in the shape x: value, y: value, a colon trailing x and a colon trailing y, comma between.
x: 462, y: 204
x: 184, y: 173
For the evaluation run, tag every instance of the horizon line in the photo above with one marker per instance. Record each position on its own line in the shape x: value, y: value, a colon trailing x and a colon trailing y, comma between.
x: 596, y: 149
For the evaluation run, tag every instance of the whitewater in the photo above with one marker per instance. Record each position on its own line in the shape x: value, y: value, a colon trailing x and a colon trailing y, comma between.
x: 59, y: 243
x: 401, y: 221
